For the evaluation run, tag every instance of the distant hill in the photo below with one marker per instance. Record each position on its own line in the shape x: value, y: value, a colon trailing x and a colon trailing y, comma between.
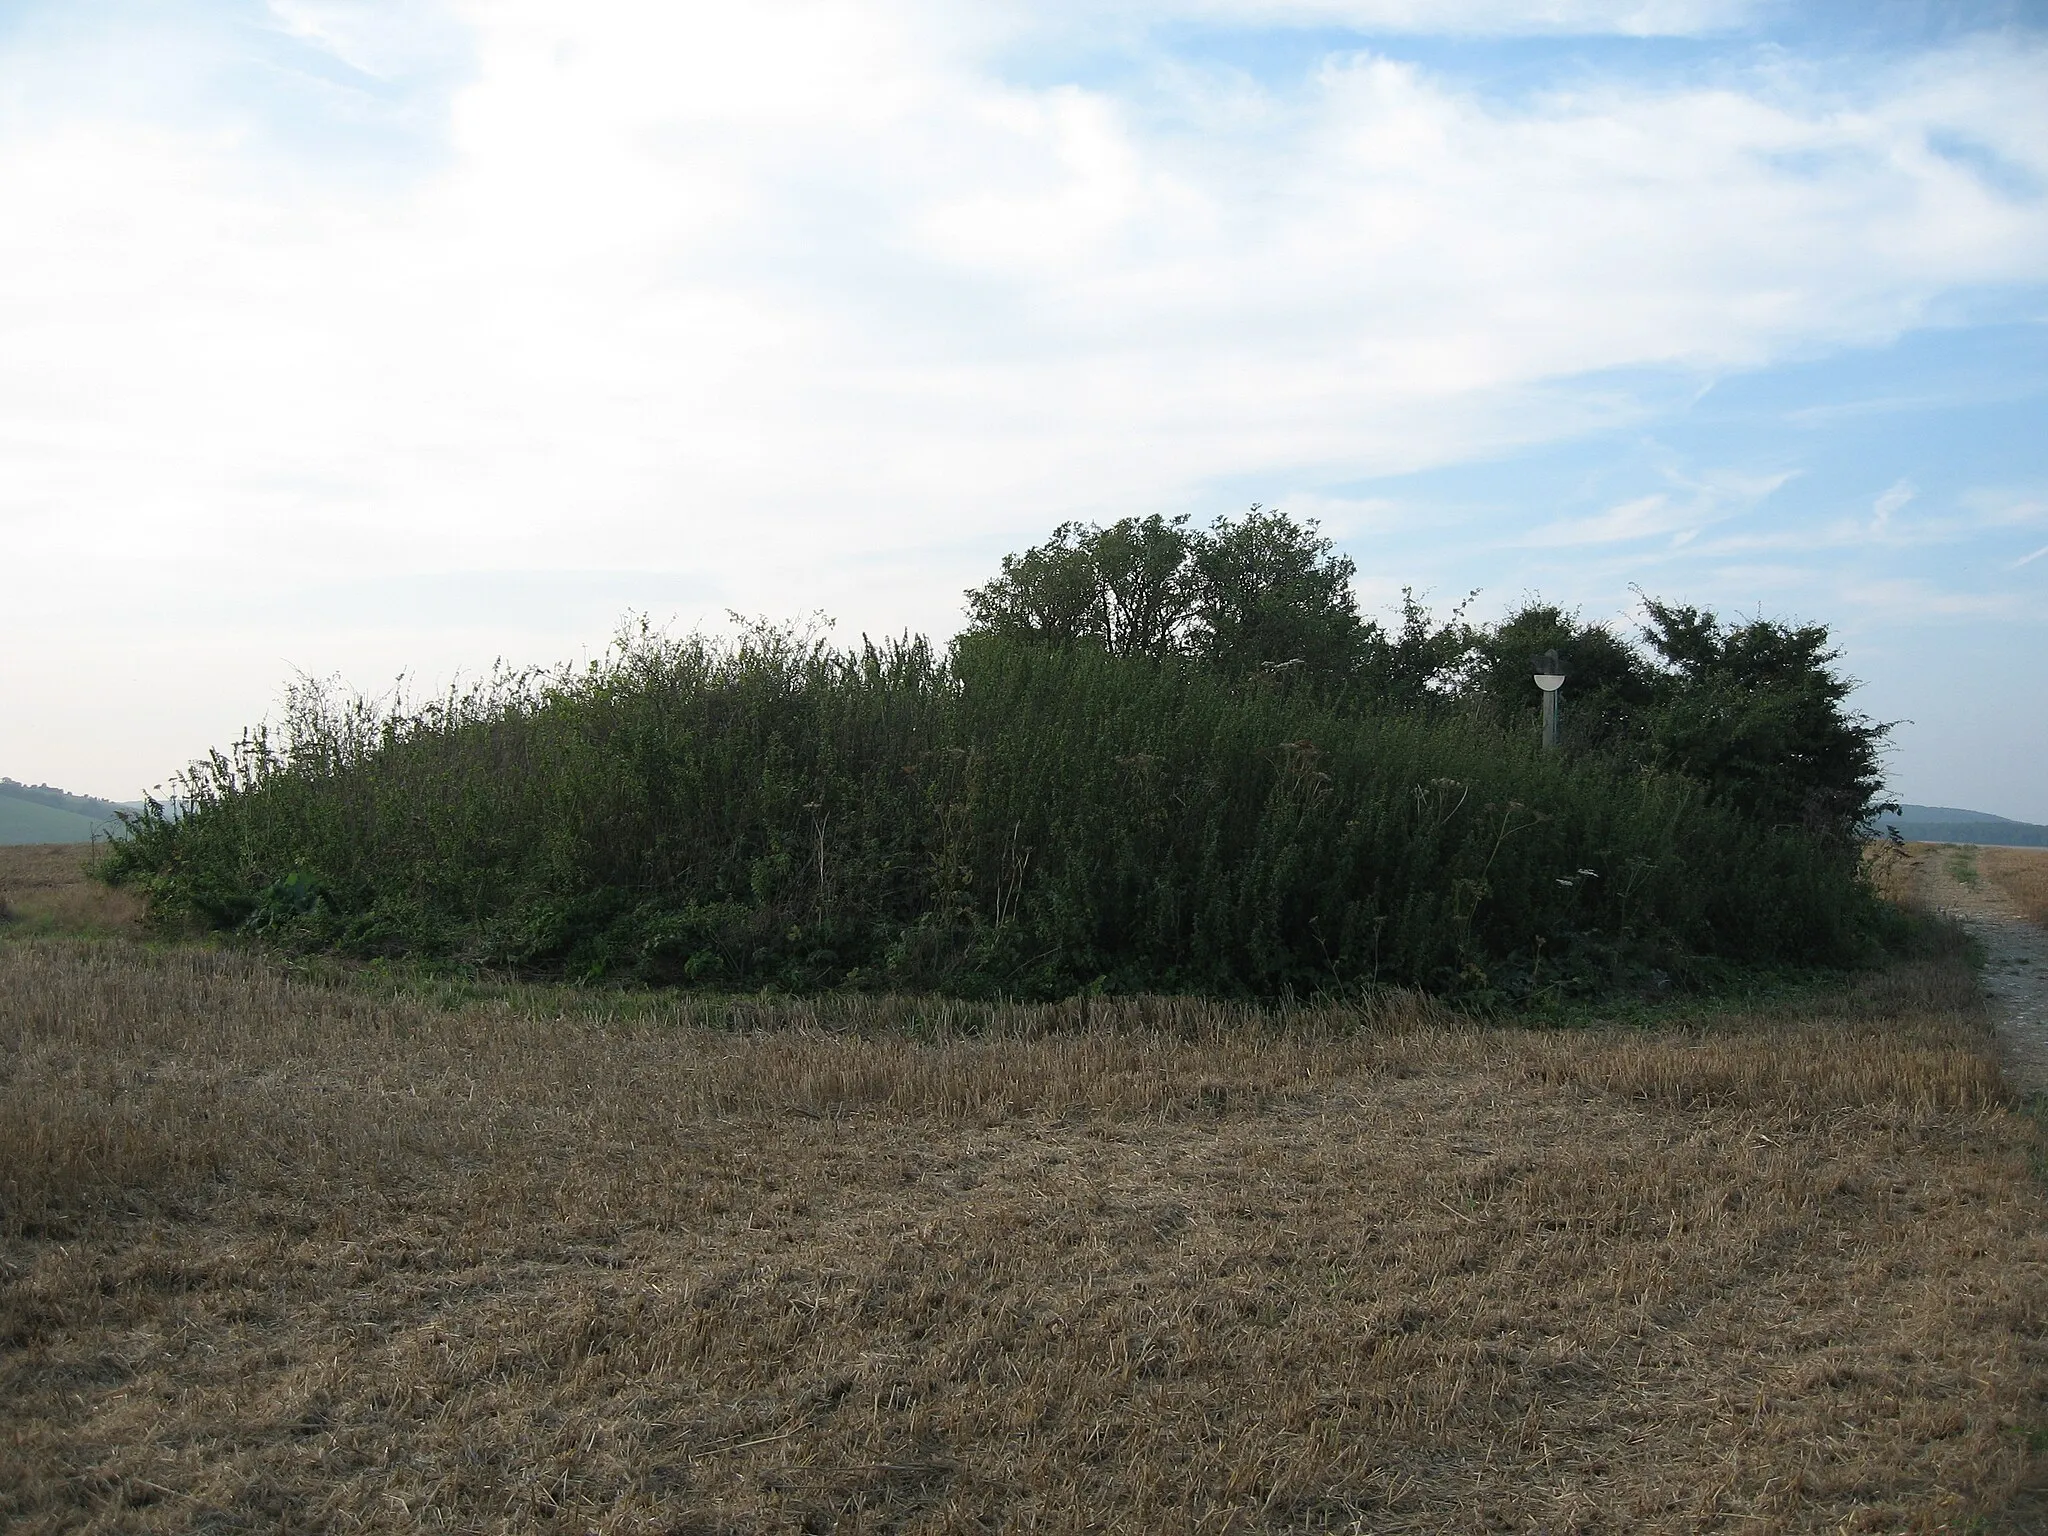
x: 37, y: 813
x: 1948, y: 814
x: 1946, y: 824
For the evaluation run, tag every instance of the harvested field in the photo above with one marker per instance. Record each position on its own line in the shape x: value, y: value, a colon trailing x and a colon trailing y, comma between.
x: 289, y: 1253
x: 2022, y: 873
x: 42, y: 889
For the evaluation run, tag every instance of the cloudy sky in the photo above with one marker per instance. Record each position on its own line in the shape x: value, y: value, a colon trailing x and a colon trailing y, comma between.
x: 351, y: 337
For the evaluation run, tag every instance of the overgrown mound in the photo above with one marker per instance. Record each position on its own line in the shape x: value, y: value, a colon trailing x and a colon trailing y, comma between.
x: 1009, y: 819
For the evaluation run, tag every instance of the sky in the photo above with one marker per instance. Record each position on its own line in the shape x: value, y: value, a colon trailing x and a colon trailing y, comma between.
x: 364, y: 339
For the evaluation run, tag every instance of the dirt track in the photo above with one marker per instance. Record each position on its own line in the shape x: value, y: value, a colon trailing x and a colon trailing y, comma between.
x: 2015, y: 956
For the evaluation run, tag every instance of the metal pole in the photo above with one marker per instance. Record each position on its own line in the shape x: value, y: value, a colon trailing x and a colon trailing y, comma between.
x: 1550, y: 678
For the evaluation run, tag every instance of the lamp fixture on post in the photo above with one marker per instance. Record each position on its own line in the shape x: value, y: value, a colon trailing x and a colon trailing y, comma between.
x: 1550, y: 678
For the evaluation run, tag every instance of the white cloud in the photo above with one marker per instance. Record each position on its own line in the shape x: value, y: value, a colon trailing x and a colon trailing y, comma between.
x: 1894, y: 499
x: 1704, y: 502
x: 1495, y: 18
x: 1975, y: 513
x: 1905, y: 601
x: 1642, y: 518
x: 809, y: 305
x: 2003, y: 508
x: 384, y: 39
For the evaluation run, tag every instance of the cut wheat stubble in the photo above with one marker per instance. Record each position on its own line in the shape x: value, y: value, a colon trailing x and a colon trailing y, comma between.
x: 292, y: 1254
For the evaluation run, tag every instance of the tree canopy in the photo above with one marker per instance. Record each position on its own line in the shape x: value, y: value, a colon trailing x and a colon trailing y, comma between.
x: 1756, y: 711
x: 1263, y: 594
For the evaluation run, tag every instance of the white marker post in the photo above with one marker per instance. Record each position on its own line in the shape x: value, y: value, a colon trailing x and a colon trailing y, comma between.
x: 1550, y: 678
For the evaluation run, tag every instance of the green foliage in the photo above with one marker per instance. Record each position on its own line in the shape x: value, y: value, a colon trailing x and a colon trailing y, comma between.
x: 1758, y: 711
x: 1128, y: 588
x: 1012, y: 818
x: 1159, y: 758
x: 1271, y: 593
x: 1611, y: 689
x: 1422, y: 665
x: 1754, y: 712
x: 1257, y: 594
x: 1962, y: 866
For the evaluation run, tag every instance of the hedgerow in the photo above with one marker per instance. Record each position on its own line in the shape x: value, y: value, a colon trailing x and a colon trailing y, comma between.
x: 1006, y: 818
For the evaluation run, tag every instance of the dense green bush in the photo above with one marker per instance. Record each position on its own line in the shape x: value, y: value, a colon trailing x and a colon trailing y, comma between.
x: 1012, y: 818
x: 1755, y: 712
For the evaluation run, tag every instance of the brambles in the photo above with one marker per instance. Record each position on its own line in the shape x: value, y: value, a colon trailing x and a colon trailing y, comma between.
x: 1013, y: 819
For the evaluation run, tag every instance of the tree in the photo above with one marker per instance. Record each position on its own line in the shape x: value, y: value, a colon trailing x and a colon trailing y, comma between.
x: 1611, y: 689
x: 1423, y: 662
x: 1127, y: 588
x: 1258, y: 596
x: 1258, y: 593
x: 1270, y: 593
x: 1758, y: 711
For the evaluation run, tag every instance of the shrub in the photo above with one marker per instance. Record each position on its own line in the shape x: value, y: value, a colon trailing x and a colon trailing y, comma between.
x: 1010, y: 818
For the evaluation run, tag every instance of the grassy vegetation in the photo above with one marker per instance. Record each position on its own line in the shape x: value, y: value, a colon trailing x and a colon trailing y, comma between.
x: 290, y: 1245
x: 1012, y: 821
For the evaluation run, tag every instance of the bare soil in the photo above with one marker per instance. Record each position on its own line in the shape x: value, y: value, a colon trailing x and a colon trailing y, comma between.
x: 280, y: 1252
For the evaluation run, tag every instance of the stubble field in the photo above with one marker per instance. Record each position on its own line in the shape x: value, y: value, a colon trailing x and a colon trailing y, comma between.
x: 310, y: 1251
x: 2022, y: 873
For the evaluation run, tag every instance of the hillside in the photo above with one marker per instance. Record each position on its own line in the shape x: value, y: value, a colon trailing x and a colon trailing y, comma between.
x: 37, y: 813
x: 1946, y: 824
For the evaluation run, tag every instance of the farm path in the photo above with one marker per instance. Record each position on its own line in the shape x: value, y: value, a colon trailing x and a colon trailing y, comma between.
x: 2015, y: 956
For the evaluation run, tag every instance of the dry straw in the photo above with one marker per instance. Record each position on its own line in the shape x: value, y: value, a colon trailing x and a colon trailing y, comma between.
x: 2022, y: 873
x: 283, y: 1253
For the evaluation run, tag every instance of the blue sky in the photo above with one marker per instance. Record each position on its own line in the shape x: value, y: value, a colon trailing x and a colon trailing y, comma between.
x: 367, y: 338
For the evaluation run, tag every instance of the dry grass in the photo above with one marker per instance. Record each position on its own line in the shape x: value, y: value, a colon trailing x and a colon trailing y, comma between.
x: 41, y: 890
x: 1891, y: 869
x: 285, y: 1254
x: 2022, y: 873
